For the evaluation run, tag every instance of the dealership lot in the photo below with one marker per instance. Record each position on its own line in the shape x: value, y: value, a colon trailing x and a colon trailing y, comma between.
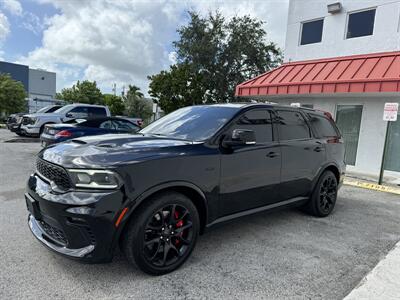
x: 275, y: 255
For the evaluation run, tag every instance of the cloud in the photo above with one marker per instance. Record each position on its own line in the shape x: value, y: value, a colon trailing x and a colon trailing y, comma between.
x: 4, y: 27
x: 12, y: 6
x: 124, y: 41
x: 32, y: 23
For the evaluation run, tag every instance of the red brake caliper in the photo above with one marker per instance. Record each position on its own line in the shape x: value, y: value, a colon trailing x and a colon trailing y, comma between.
x: 178, y: 225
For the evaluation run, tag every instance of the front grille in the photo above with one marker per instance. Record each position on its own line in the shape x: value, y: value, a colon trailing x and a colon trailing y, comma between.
x: 91, y: 235
x: 53, y: 232
x: 53, y: 173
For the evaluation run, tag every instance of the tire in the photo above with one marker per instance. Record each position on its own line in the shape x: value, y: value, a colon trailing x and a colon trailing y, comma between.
x: 42, y: 129
x: 323, y: 198
x: 156, y: 243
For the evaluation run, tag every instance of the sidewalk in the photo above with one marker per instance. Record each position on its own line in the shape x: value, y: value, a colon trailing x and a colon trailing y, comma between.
x: 383, y: 282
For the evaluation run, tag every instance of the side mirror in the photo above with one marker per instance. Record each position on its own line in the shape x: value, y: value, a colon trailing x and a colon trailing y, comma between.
x: 240, y: 137
x: 69, y: 115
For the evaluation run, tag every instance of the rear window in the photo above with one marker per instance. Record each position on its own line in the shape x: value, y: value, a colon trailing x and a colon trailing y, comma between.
x: 323, y: 126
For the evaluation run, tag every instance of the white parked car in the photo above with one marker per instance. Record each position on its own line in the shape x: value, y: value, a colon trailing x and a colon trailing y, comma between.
x: 33, y: 124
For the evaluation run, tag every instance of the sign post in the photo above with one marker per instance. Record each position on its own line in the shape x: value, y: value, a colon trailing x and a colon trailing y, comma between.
x: 389, y: 115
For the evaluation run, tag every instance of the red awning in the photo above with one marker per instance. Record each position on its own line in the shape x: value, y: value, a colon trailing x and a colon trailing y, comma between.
x: 377, y: 72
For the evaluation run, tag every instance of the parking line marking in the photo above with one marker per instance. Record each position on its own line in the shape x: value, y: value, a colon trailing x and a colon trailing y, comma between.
x: 372, y: 186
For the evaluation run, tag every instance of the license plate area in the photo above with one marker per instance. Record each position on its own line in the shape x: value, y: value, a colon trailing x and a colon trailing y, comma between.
x: 33, y: 207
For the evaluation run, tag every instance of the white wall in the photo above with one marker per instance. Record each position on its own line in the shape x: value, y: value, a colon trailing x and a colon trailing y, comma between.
x: 42, y: 84
x: 386, y: 36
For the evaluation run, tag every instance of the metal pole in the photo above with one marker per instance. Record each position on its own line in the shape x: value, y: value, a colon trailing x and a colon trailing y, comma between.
x: 384, y: 154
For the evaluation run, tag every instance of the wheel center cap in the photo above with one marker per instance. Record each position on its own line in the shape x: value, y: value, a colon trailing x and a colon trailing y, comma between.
x: 167, y: 232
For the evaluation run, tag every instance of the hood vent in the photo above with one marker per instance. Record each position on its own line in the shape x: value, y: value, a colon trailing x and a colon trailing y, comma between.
x: 79, y: 142
x: 106, y: 145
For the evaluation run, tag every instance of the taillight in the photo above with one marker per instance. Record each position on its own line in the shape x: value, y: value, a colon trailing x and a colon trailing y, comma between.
x: 64, y: 133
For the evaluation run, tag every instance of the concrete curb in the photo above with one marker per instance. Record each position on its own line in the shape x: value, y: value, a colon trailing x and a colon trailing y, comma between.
x: 383, y: 281
x: 372, y: 186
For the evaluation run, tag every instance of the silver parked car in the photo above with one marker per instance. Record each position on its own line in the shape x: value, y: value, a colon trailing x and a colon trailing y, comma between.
x: 33, y: 124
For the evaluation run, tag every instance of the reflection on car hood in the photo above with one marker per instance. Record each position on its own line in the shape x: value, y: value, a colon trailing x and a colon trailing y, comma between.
x: 112, y: 149
x: 44, y: 115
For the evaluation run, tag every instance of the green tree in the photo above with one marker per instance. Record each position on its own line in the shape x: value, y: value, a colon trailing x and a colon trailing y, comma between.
x: 213, y: 56
x: 82, y: 92
x: 177, y: 87
x: 12, y: 95
x: 115, y: 104
x: 135, y: 104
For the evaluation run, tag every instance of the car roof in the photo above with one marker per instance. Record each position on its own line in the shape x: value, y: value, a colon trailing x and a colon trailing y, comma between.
x: 85, y: 104
x: 242, y: 105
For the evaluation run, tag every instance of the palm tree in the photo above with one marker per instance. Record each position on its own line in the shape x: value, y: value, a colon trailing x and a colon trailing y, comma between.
x: 134, y: 91
x: 135, y: 104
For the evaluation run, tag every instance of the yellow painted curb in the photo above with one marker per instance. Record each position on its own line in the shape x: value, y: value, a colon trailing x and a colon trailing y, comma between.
x: 372, y: 186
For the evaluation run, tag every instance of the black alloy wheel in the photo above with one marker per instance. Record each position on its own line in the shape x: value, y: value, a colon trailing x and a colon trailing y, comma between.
x: 323, y: 198
x: 168, y: 235
x: 161, y: 233
x: 327, y: 194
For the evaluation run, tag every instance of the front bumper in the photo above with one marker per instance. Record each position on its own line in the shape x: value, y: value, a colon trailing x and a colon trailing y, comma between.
x: 84, y: 231
x: 30, y: 129
x: 14, y: 127
x: 42, y: 236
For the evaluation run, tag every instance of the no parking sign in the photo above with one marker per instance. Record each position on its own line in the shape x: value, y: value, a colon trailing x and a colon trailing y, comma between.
x: 390, y: 112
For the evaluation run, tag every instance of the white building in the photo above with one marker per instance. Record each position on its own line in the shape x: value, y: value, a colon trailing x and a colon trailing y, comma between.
x: 343, y: 57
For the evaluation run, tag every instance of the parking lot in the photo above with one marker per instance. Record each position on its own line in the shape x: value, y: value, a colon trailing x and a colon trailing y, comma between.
x: 285, y: 254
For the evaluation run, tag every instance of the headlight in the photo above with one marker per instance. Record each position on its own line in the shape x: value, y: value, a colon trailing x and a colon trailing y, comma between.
x: 32, y: 120
x: 95, y: 179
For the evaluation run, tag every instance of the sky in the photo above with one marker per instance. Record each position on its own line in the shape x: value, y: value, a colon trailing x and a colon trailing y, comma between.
x: 112, y: 41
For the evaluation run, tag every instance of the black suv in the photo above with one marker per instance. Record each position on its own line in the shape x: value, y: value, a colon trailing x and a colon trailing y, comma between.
x: 154, y: 192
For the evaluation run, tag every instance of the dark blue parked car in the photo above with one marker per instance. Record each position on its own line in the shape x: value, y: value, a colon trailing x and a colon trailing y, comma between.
x: 56, y: 133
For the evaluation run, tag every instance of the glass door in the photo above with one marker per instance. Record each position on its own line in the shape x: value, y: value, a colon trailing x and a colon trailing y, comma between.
x: 392, y: 160
x: 348, y: 119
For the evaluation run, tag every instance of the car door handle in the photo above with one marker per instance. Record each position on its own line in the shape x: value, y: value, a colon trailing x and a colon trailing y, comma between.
x: 319, y: 149
x: 272, y: 154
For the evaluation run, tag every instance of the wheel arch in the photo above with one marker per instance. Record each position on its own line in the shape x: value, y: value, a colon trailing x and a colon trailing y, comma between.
x: 190, y: 190
x: 328, y: 167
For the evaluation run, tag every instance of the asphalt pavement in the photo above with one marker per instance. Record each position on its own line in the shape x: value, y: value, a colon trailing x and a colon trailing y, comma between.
x: 285, y: 254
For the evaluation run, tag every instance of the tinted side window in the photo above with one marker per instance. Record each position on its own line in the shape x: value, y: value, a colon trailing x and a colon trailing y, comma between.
x: 107, y: 125
x: 124, y: 125
x: 292, y: 126
x: 323, y: 126
x: 79, y: 109
x: 97, y: 111
x: 79, y: 112
x: 258, y: 120
x: 311, y: 32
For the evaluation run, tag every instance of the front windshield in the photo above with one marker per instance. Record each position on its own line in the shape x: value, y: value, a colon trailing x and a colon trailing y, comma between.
x: 64, y: 109
x: 195, y: 123
x: 44, y: 109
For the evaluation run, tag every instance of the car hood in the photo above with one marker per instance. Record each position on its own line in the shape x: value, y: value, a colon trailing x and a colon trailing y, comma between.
x: 44, y: 115
x: 104, y: 151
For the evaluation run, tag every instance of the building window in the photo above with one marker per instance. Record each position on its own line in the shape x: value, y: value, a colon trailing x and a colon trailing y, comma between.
x: 361, y: 23
x: 311, y: 32
x: 348, y: 119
